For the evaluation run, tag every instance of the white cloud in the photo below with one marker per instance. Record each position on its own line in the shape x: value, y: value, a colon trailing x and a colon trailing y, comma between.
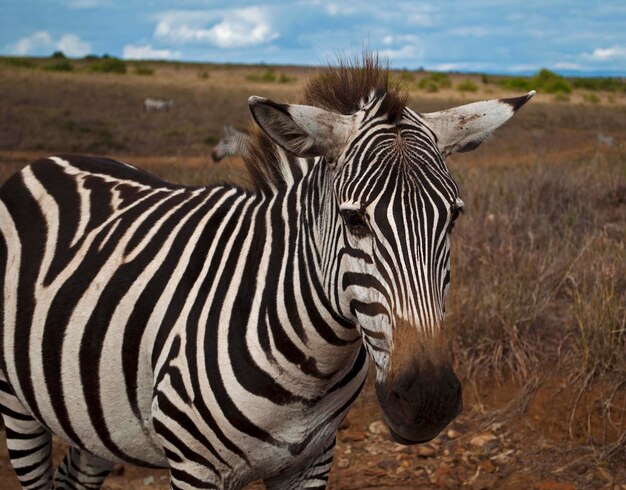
x: 607, y: 54
x: 406, y: 52
x: 35, y: 42
x: 235, y: 28
x: 566, y: 65
x: 42, y: 43
x: 72, y: 45
x: 333, y: 9
x: 402, y: 47
x: 147, y: 52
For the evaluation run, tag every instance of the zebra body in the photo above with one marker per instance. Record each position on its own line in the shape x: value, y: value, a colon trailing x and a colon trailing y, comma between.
x: 157, y: 105
x: 224, y: 333
x: 152, y: 243
x: 234, y: 142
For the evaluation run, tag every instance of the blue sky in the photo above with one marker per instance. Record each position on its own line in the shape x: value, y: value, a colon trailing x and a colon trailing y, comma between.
x: 496, y: 36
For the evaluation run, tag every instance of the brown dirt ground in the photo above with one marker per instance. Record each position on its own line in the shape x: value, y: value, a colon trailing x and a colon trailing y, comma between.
x: 516, y: 438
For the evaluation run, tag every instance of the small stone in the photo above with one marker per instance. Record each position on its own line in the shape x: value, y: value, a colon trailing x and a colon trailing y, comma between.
x: 374, y: 472
x: 491, y: 446
x: 377, y: 427
x: 149, y: 480
x: 484, y: 482
x: 425, y: 451
x: 343, y: 463
x: 481, y: 439
x: 352, y: 436
x: 373, y: 450
x: 453, y: 434
x: 554, y: 485
x: 388, y: 464
x: 487, y: 466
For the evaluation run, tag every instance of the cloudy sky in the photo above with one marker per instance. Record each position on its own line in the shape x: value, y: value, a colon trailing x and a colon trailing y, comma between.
x: 497, y: 36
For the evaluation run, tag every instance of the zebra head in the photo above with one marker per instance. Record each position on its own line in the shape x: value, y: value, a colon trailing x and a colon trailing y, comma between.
x: 387, y: 219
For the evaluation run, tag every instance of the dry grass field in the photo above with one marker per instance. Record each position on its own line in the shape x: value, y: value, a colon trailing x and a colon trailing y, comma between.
x: 538, y: 296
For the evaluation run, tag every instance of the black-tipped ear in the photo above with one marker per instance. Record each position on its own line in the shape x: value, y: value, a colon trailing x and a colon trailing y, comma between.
x: 517, y: 102
x: 302, y: 130
x: 465, y: 127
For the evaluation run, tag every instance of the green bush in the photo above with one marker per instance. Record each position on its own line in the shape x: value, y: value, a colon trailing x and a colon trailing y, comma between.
x: 19, y: 62
x: 549, y: 82
x: 108, y: 65
x: 516, y: 83
x: 591, y: 98
x: 283, y: 78
x: 434, y: 82
x: 407, y: 76
x: 203, y: 75
x: 143, y: 70
x: 58, y: 55
x: 485, y: 78
x: 467, y: 86
x: 269, y: 76
x: 61, y: 65
x: 601, y: 83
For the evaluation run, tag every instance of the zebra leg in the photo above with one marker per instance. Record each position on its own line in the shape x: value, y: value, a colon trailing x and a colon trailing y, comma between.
x: 28, y: 441
x: 313, y: 474
x: 81, y: 470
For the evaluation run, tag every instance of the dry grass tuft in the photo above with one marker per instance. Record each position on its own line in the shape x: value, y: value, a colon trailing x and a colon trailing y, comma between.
x: 538, y: 260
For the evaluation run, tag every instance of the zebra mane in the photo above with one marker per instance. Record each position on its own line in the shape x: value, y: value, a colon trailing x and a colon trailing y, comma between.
x: 344, y: 89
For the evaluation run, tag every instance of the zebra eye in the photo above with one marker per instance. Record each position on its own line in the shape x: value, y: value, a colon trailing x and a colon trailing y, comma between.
x: 355, y: 221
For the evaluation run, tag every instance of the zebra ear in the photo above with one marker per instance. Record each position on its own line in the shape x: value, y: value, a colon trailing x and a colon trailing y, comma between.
x: 465, y: 127
x: 303, y: 130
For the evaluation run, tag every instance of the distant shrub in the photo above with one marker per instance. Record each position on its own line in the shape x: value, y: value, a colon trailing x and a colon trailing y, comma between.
x: 551, y: 83
x: 407, y: 76
x: 591, y: 98
x: 283, y: 78
x: 19, y: 62
x: 485, y: 78
x: 434, y: 82
x: 61, y: 65
x: 143, y: 70
x: 516, y: 83
x: 442, y: 79
x: 108, y: 65
x: 429, y: 86
x: 600, y: 83
x: 58, y: 55
x: 467, y: 86
x: 561, y: 97
x: 90, y: 57
x: 269, y: 76
x: 203, y: 75
x: 211, y: 140
x: 545, y: 81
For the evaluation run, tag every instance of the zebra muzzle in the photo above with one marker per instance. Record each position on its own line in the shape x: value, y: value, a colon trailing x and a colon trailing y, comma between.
x: 419, y: 403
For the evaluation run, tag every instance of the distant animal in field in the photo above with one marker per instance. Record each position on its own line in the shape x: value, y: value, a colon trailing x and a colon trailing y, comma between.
x: 157, y: 105
x: 234, y: 142
x: 222, y: 332
x: 605, y: 140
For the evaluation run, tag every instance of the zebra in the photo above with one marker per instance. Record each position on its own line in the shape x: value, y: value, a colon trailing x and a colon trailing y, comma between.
x: 234, y: 142
x: 157, y: 105
x: 224, y: 333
